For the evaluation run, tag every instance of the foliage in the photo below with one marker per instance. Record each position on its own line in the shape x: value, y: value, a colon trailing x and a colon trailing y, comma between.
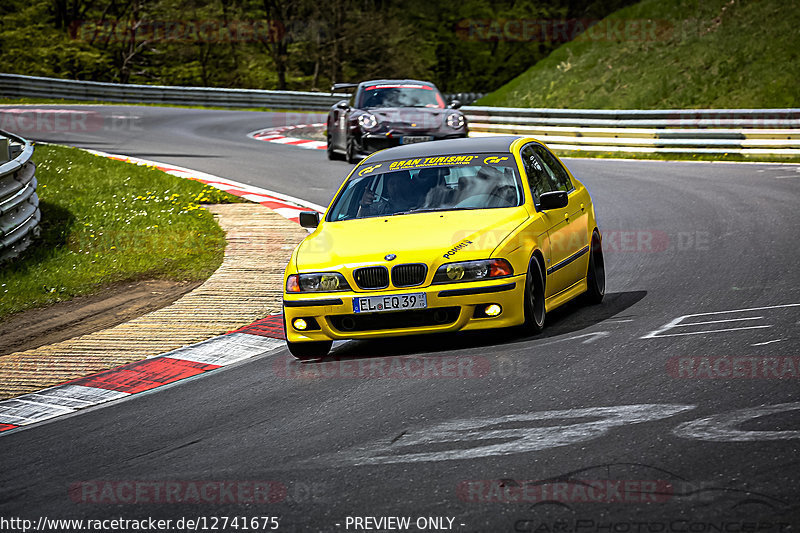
x: 712, y: 54
x: 278, y: 44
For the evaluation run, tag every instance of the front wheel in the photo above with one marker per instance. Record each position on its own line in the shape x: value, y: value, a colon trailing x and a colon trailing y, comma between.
x: 309, y: 350
x: 596, y: 275
x: 306, y: 350
x: 534, y: 298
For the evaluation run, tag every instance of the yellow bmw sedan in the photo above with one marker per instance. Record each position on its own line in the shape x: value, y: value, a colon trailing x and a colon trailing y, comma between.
x: 444, y: 236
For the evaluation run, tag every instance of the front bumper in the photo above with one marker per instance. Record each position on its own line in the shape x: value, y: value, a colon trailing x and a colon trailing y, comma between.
x: 450, y: 307
x: 372, y: 142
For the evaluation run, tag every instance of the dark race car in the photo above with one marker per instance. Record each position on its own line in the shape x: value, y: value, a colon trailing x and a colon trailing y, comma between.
x: 385, y: 113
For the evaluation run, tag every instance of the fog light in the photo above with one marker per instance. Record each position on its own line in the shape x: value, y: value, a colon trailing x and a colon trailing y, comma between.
x: 493, y: 310
x: 299, y: 324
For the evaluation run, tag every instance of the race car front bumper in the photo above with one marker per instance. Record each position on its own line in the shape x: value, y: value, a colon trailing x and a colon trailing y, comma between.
x: 372, y: 142
x: 450, y: 307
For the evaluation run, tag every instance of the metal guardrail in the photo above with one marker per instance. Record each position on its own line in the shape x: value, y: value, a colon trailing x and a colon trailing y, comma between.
x: 709, y: 131
x: 19, y: 204
x: 15, y: 85
x: 464, y: 98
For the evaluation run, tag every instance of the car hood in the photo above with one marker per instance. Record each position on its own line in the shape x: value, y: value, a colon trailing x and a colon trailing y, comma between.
x: 422, y: 117
x: 415, y: 238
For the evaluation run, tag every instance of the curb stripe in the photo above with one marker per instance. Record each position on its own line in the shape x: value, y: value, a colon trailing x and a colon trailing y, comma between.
x: 133, y: 378
x: 276, y: 135
x: 258, y: 338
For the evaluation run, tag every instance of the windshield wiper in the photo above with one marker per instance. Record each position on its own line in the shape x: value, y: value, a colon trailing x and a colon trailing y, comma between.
x: 435, y: 209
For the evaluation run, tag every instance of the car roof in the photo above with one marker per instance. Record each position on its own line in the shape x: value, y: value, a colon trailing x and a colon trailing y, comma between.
x: 498, y: 143
x: 381, y: 82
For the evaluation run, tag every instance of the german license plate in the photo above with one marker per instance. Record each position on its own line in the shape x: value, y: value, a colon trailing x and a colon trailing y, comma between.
x: 394, y: 302
x: 411, y: 139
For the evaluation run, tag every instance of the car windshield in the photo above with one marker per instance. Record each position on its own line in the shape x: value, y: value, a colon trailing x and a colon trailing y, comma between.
x: 442, y: 183
x: 405, y: 95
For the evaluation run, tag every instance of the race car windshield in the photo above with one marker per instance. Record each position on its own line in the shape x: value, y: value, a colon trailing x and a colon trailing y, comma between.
x: 400, y: 96
x: 444, y: 183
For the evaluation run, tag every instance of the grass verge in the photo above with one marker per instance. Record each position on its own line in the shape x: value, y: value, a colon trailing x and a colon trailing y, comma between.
x: 106, y: 221
x: 671, y: 54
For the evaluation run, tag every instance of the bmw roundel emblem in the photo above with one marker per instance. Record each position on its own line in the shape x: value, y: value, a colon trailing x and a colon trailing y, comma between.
x: 390, y: 257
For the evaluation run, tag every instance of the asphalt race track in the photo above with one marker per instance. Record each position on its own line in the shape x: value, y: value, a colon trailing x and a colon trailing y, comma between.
x: 673, y: 406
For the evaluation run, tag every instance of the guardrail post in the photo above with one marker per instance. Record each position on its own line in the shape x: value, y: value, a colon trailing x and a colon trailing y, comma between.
x: 4, y: 157
x: 19, y: 204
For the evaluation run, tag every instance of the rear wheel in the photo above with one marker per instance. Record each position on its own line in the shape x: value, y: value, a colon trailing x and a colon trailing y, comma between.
x: 596, y: 275
x: 534, y: 298
x: 333, y: 155
x: 351, y: 151
x: 307, y: 350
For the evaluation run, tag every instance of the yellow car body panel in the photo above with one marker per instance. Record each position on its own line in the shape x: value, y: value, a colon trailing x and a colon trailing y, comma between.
x: 560, y: 237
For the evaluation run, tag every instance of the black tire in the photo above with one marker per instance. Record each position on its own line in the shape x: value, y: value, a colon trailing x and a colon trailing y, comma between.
x: 596, y: 274
x: 309, y: 350
x: 535, y: 312
x: 305, y: 351
x: 350, y: 156
x: 333, y: 155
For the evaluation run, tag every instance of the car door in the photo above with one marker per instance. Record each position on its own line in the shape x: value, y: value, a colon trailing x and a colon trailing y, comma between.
x: 566, y: 227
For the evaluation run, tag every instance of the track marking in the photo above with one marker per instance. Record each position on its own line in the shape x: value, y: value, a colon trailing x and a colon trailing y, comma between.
x: 708, y: 331
x: 720, y: 321
x: 592, y: 337
x: 677, y: 322
x: 474, y: 438
x: 768, y: 342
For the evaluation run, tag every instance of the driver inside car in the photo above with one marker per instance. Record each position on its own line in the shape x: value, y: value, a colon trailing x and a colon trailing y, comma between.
x: 397, y: 196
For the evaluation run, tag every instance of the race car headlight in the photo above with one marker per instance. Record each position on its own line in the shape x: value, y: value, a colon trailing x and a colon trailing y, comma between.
x: 367, y: 121
x: 319, y: 282
x: 455, y: 120
x: 473, y: 271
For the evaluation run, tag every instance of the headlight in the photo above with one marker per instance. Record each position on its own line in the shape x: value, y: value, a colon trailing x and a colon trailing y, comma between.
x: 455, y: 120
x: 473, y: 271
x: 321, y: 282
x: 367, y: 121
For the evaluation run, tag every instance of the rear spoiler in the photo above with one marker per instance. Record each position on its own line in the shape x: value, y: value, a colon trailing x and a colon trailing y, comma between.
x: 340, y: 86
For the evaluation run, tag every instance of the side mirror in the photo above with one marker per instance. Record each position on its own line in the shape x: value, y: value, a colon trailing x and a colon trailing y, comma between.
x: 343, y: 105
x: 309, y: 219
x: 553, y: 200
x: 455, y: 104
